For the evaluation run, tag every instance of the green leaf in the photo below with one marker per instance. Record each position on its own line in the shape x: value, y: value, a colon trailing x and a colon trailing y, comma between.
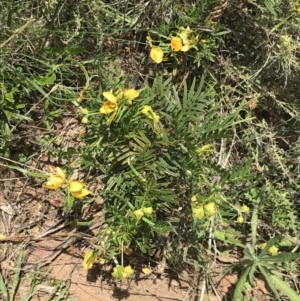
x: 251, y: 274
x: 282, y: 257
x: 267, y: 275
x: 49, y: 79
x: 3, y: 289
x: 27, y: 172
x: 285, y: 288
x: 228, y: 239
x: 238, y: 292
x: 269, y: 244
x: 148, y: 221
x: 9, y: 97
x: 16, y: 278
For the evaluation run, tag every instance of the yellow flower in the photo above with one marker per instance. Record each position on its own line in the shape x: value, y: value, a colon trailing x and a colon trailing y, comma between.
x: 182, y: 43
x: 204, y: 149
x: 77, y: 189
x: 148, y: 210
x: 121, y: 272
x: 156, y: 54
x: 84, y: 111
x: 185, y: 41
x: 245, y: 209
x: 194, y: 198
x: 56, y: 181
x: 210, y: 209
x: 148, y: 112
x: 263, y: 245
x: 198, y: 212
x: 130, y: 95
x: 138, y: 214
x: 109, y: 106
x: 89, y: 259
x: 176, y: 44
x: 273, y: 251
x: 146, y: 271
x: 84, y: 120
x: 240, y: 219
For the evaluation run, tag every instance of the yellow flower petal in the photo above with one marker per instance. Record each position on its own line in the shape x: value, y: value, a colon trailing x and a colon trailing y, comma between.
x: 80, y: 194
x: 210, y: 209
x: 60, y: 173
x: 148, y: 210
x: 198, y: 213
x: 109, y: 96
x: 130, y: 95
x: 55, y: 182
x: 155, y: 117
x: 119, y: 94
x: 176, y: 43
x: 245, y: 208
x: 263, y: 245
x: 146, y: 271
x: 149, y: 113
x: 273, y: 251
x: 84, y: 120
x: 117, y: 272
x: 84, y: 111
x: 194, y: 198
x: 138, y: 214
x: 156, y: 54
x: 184, y: 37
x: 76, y: 186
x: 112, y: 116
x: 146, y: 110
x: 49, y: 185
x: 108, y: 107
x: 240, y: 219
x: 77, y: 189
x: 120, y: 272
x: 186, y: 48
x: 88, y: 259
x: 128, y: 271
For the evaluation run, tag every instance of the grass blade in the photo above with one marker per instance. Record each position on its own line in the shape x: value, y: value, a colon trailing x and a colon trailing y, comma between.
x: 285, y: 288
x: 238, y: 292
x: 266, y: 275
x: 16, y: 278
x: 3, y: 289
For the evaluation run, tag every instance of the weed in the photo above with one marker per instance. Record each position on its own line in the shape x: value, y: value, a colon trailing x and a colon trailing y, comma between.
x: 188, y: 117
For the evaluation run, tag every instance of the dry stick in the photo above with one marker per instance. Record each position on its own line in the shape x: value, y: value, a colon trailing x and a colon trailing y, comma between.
x: 18, y: 163
x: 17, y: 31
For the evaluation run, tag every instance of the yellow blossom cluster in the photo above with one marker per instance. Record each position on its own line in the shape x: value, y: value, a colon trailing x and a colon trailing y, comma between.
x: 244, y: 209
x: 181, y: 42
x: 200, y: 211
x: 272, y: 251
x: 58, y: 180
x: 110, y: 106
x: 121, y: 272
x: 150, y: 114
x: 139, y: 213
